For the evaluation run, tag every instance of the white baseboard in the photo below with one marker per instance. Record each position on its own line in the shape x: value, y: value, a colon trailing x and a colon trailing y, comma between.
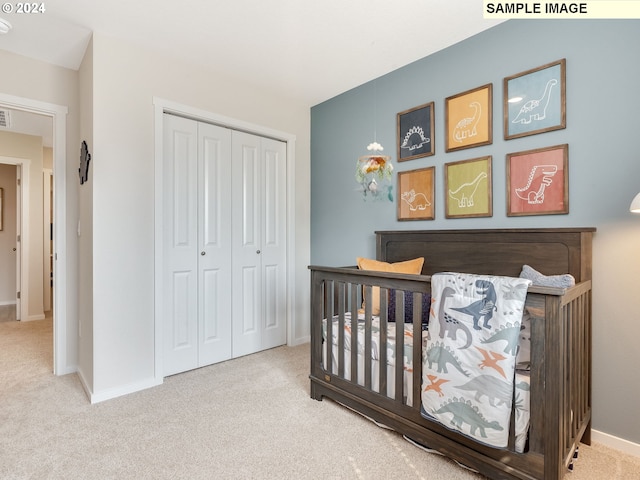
x: 616, y: 443
x: 84, y: 384
x: 110, y: 393
x: 299, y: 341
x: 66, y: 370
x: 32, y: 318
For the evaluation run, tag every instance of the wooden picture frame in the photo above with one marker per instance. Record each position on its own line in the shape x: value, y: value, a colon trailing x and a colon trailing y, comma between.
x: 416, y: 194
x: 468, y: 188
x: 415, y: 132
x: 538, y: 181
x: 535, y: 101
x: 469, y: 118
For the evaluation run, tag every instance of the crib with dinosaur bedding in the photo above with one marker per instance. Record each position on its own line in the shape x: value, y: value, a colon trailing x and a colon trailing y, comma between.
x: 358, y: 317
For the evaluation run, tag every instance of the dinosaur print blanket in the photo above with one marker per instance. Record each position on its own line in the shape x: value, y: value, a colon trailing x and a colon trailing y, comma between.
x: 470, y: 356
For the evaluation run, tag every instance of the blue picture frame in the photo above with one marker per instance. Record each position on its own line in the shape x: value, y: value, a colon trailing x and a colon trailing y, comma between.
x: 535, y: 101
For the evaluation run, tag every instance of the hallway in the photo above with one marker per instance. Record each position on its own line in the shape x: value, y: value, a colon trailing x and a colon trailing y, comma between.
x: 26, y: 352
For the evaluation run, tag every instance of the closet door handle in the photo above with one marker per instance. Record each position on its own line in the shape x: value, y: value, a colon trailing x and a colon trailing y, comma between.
x: 203, y: 253
x: 258, y: 252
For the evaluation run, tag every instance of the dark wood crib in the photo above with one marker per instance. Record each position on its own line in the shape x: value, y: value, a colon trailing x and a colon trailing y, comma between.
x: 560, y: 341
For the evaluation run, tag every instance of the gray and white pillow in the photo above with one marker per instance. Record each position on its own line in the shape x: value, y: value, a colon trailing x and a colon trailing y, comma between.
x: 537, y: 278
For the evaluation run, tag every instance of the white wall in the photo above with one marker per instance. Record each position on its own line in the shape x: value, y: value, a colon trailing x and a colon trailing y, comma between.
x: 85, y: 225
x: 125, y: 80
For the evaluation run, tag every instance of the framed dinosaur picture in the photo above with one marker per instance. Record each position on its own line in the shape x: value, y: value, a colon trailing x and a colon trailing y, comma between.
x: 415, y: 132
x: 468, y: 188
x: 534, y: 101
x: 416, y: 194
x: 538, y: 181
x: 469, y: 118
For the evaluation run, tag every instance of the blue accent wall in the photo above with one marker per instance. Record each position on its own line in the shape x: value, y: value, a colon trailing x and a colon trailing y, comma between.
x: 602, y: 80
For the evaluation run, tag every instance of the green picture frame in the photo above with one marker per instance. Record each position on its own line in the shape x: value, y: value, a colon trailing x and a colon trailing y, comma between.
x: 468, y: 188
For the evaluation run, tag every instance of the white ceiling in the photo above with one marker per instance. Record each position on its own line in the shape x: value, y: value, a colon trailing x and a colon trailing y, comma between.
x: 304, y: 49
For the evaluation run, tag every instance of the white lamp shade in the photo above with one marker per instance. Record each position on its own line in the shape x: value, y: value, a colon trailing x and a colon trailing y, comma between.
x: 635, y: 204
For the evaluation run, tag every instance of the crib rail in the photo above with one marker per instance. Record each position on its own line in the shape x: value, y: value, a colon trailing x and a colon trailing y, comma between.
x: 336, y: 292
x: 560, y: 369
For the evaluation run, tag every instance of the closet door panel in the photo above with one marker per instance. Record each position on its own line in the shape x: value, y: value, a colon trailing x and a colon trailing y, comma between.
x: 183, y: 332
x: 250, y: 200
x: 215, y: 324
x: 180, y: 242
x: 250, y: 309
x: 274, y: 256
x: 214, y: 252
x: 247, y: 206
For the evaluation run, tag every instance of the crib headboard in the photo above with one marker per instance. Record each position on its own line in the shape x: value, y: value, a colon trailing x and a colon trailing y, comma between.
x: 551, y: 251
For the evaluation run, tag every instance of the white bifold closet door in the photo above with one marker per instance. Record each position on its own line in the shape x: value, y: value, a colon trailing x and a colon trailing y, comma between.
x: 259, y: 243
x: 197, y: 244
x: 224, y: 215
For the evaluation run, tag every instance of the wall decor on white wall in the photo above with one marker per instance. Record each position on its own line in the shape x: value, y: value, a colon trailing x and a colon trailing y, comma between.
x: 85, y: 158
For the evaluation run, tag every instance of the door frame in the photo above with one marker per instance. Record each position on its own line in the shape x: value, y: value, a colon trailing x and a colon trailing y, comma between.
x: 62, y: 364
x: 162, y: 106
x: 47, y: 176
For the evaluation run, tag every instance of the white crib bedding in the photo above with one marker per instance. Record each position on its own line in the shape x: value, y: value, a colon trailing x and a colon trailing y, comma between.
x: 521, y: 401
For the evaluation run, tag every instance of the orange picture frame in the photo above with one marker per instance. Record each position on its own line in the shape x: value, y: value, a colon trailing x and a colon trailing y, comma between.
x: 469, y: 119
x: 416, y: 194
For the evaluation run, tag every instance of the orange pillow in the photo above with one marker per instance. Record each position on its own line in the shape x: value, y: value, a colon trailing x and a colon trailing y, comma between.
x: 409, y: 266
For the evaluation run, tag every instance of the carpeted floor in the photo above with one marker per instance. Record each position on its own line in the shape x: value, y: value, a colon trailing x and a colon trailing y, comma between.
x: 7, y: 313
x: 249, y: 418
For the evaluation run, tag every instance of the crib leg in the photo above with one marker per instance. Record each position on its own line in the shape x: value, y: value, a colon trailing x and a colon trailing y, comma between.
x: 573, y: 459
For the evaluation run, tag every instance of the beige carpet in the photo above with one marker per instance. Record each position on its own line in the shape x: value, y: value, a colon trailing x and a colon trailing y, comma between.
x: 249, y: 418
x: 7, y: 313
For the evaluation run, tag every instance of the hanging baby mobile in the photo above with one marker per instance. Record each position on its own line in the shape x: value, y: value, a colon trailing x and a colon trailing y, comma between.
x: 373, y: 173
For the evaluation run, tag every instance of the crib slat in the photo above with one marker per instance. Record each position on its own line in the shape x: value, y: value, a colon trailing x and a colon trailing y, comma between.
x: 367, y: 336
x: 355, y: 305
x: 329, y: 312
x: 341, y: 308
x: 417, y: 351
x: 399, y: 360
x: 535, y: 303
x: 382, y: 347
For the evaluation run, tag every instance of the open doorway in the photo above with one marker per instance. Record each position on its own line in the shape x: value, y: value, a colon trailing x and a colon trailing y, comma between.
x: 11, y: 252
x: 26, y: 169
x: 55, y: 117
